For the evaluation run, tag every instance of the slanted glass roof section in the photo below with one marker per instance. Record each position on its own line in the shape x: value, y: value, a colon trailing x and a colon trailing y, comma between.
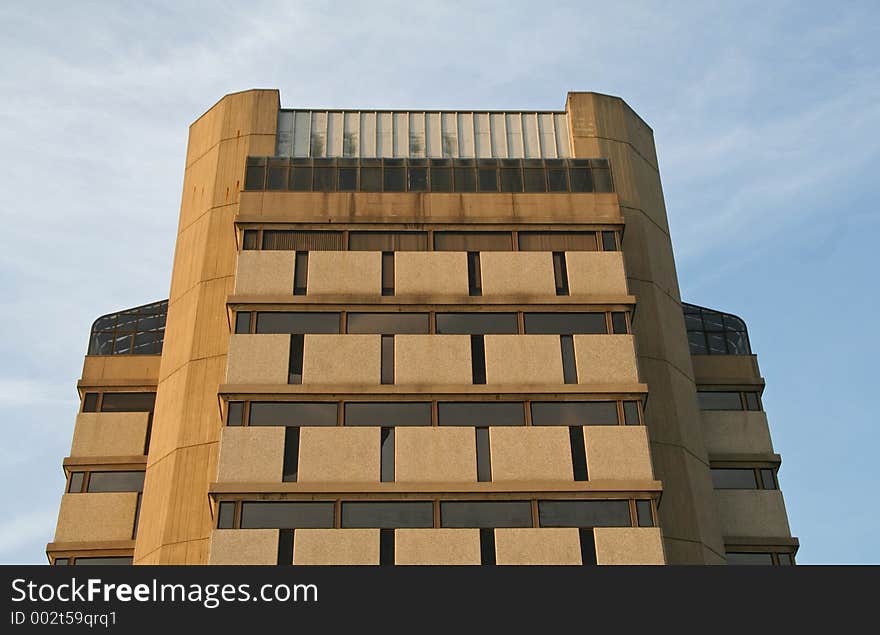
x: 420, y: 135
x: 137, y: 331
x: 715, y: 333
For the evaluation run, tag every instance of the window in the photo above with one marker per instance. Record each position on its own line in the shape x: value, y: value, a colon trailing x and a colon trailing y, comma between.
x: 295, y: 360
x: 302, y: 240
x: 715, y: 333
x: 137, y: 331
x: 584, y: 513
x: 290, y: 467
x: 226, y: 515
x: 485, y: 514
x: 282, y: 413
x: 103, y: 560
x: 128, y: 401
x: 388, y: 414
x: 387, y: 515
x: 578, y: 453
x: 387, y: 323
x: 727, y: 400
x: 77, y: 479
x: 765, y: 558
x: 297, y: 322
x: 744, y: 478
x: 478, y: 359
x: 475, y: 276
x: 472, y: 241
x: 243, y: 322
x: 115, y: 482
x: 574, y: 413
x: 476, y: 323
x: 559, y: 241
x: 560, y: 273
x: 480, y: 413
x: 569, y: 366
x: 565, y: 323
x: 387, y: 360
x: 301, y: 273
x: 387, y: 241
x: 286, y: 515
x: 484, y: 455
x: 644, y: 513
x: 235, y: 413
x: 386, y: 458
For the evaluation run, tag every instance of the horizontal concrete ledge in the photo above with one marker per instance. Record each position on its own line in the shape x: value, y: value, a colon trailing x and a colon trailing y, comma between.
x: 134, y: 462
x: 588, y: 489
x: 426, y: 393
x: 761, y: 541
x: 412, y: 302
x: 102, y: 545
x: 769, y: 457
x: 400, y: 224
x: 731, y: 383
x: 144, y: 383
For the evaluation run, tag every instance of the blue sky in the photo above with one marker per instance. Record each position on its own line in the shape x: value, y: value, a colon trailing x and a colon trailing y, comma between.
x: 765, y: 115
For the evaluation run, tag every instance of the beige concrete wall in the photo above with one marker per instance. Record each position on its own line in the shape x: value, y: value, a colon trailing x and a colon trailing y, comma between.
x: 595, y: 273
x: 339, y: 454
x: 517, y: 275
x: 556, y: 545
x: 617, y: 452
x: 334, y: 273
x: 759, y: 513
x: 109, y: 369
x: 725, y: 369
x: 629, y: 545
x: 430, y: 274
x: 95, y: 517
x: 336, y: 547
x: 540, y: 453
x: 258, y: 359
x: 251, y: 455
x: 426, y: 454
x: 736, y: 432
x: 342, y: 359
x: 426, y: 360
x: 109, y: 434
x: 605, y: 359
x: 437, y: 546
x: 529, y: 360
x: 264, y: 273
x: 244, y: 546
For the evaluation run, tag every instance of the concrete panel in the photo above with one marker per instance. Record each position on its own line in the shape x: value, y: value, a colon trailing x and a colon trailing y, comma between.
x: 109, y: 434
x: 595, y: 273
x: 251, y: 455
x: 736, y: 432
x: 524, y: 359
x: 244, y: 546
x: 342, y: 359
x: 430, y: 274
x: 629, y: 545
x: 422, y: 360
x: 333, y: 455
x: 757, y: 513
x: 334, y: 273
x: 540, y: 453
x: 725, y: 369
x: 336, y: 547
x: 100, y: 369
x: 434, y: 454
x: 437, y: 546
x: 605, y: 359
x: 265, y: 273
x: 617, y: 453
x: 96, y: 517
x: 258, y: 359
x: 517, y: 275
x: 557, y: 545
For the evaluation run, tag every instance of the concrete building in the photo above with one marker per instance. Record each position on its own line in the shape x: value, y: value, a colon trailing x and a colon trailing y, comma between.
x: 405, y: 337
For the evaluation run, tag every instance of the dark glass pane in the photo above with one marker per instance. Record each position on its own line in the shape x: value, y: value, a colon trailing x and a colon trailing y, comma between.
x: 484, y: 455
x: 441, y: 179
x: 394, y: 179
x: 486, y: 514
x: 578, y: 453
x: 584, y: 513
x: 371, y: 179
x: 557, y: 241
x: 752, y: 402
x: 768, y: 479
x: 565, y: 323
x: 388, y: 323
x: 719, y: 400
x: 226, y: 515
x: 631, y: 413
x: 742, y: 558
x: 574, y: 413
x: 581, y: 180
x: 511, y: 180
x: 478, y: 359
x: 472, y: 241
x: 347, y: 179
x: 145, y: 343
x: 618, y: 323
x: 325, y: 179
x: 388, y: 414
x: 103, y: 560
x: 557, y: 179
x: 387, y: 241
x: 387, y: 273
x: 713, y: 321
x: 418, y: 179
x: 76, y: 482
x: 295, y: 240
x: 475, y: 277
x: 693, y: 322
x: 784, y: 559
x: 101, y: 344
x: 476, y: 323
x: 290, y: 462
x: 569, y: 366
x: 388, y: 515
x: 733, y: 478
x: 301, y: 179
x: 243, y: 322
x: 717, y: 343
x: 116, y: 482
x: 387, y: 360
x: 296, y: 322
x: 465, y: 180
x: 387, y: 456
x: 90, y: 402
x: 122, y: 343
x: 286, y: 515
x: 300, y: 273
x: 250, y: 239
x: 254, y: 177
x: 481, y: 413
x: 737, y: 343
x: 609, y: 242
x: 733, y: 323
x: 128, y: 402
x: 697, y: 343
x: 235, y: 413
x: 488, y: 180
x: 299, y: 413
x: 560, y: 273
x: 643, y: 513
x: 277, y: 177
x: 533, y: 180
x: 61, y: 562
x: 602, y: 180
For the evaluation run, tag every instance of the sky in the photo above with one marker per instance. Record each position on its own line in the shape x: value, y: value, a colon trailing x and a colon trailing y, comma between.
x: 765, y: 116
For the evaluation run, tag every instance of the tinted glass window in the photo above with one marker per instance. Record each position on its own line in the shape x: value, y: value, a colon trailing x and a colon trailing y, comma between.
x: 511, y: 180
x: 385, y: 414
x: 476, y: 323
x: 388, y: 515
x: 128, y: 402
x: 76, y: 482
x: 418, y: 179
x: 286, y: 515
x: 395, y: 179
x: 103, y: 560
x: 465, y: 180
x: 581, y: 180
x: 472, y: 241
x: 281, y: 413
x: 574, y: 413
x: 719, y: 400
x: 387, y: 323
x: 441, y: 179
x: 533, y: 180
x: 585, y: 513
x: 565, y: 323
x: 733, y: 478
x: 557, y: 241
x: 486, y: 514
x: 480, y: 414
x: 226, y: 515
x: 305, y: 322
x: 750, y: 558
x: 347, y: 179
x: 116, y: 482
x: 387, y: 241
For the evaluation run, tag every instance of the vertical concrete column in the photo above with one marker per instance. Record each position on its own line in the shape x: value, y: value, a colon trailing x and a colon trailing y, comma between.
x: 604, y: 126
x: 175, y: 520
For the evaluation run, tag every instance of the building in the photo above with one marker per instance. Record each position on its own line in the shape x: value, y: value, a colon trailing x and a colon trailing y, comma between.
x: 421, y: 337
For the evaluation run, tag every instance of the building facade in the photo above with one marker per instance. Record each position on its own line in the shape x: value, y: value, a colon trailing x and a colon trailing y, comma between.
x: 405, y: 337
